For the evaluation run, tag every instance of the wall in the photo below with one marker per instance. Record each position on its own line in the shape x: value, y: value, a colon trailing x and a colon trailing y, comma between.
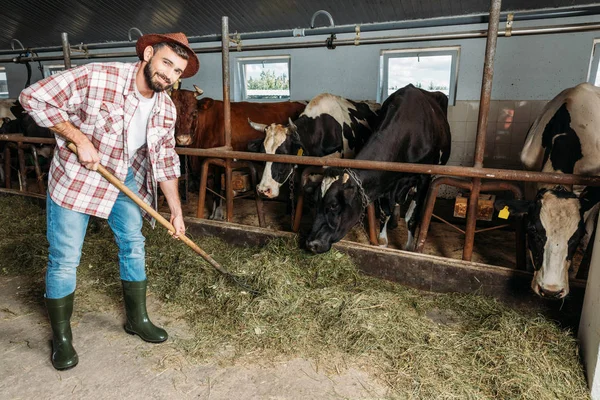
x: 528, y: 71
x: 589, y: 326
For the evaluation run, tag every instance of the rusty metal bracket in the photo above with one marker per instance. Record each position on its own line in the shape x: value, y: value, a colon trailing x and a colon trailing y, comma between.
x: 509, y: 24
x: 237, y: 39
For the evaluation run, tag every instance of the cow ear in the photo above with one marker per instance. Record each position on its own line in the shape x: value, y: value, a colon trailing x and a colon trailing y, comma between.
x: 515, y: 207
x: 255, y: 145
x: 589, y: 198
x: 349, y: 190
x: 312, y: 182
x: 206, y: 103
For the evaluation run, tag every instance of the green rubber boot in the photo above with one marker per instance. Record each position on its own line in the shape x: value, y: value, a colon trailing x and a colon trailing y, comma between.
x: 64, y: 355
x: 138, y: 322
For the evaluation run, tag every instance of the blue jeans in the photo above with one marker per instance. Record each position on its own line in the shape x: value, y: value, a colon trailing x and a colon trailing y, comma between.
x: 66, y: 231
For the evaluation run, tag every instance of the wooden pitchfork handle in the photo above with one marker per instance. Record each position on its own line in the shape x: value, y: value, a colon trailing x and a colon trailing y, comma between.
x: 155, y: 214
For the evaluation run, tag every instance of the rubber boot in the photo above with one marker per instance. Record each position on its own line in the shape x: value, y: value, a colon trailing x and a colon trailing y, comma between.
x: 64, y: 355
x: 138, y: 322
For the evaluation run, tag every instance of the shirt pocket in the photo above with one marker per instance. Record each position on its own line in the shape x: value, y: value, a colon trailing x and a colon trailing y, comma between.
x: 110, y: 119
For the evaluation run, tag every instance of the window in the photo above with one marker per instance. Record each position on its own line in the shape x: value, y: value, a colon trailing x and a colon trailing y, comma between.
x: 429, y: 69
x: 3, y: 84
x: 264, y: 78
x: 594, y: 74
x: 53, y: 69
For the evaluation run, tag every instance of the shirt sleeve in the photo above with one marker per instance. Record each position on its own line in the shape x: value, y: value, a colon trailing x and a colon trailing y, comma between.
x: 168, y: 167
x: 50, y: 100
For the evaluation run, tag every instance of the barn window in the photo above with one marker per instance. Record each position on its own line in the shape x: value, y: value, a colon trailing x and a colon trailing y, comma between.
x: 3, y: 84
x: 594, y: 75
x: 430, y: 69
x: 264, y: 78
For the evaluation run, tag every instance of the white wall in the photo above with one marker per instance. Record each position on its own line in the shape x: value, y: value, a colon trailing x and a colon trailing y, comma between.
x: 589, y: 326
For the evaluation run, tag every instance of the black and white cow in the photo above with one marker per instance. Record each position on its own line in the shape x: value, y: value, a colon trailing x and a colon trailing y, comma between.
x: 413, y: 129
x: 565, y: 138
x: 330, y: 125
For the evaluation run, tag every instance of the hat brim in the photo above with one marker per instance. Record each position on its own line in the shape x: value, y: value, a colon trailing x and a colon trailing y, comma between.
x: 193, y: 64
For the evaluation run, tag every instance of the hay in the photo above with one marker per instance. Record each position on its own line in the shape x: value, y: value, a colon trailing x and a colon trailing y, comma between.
x: 422, y: 345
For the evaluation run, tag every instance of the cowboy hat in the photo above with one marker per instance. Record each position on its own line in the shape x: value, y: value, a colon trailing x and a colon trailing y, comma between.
x: 179, y: 38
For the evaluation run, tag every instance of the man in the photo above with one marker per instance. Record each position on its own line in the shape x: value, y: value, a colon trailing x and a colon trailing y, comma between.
x: 117, y: 115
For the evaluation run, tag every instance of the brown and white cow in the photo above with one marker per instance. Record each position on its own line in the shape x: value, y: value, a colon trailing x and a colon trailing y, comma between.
x: 565, y: 138
x: 200, y: 123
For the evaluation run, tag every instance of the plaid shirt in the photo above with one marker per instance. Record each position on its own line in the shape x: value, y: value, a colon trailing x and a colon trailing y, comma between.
x: 100, y: 100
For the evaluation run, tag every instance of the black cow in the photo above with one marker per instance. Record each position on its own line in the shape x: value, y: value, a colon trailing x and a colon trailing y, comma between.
x: 413, y: 129
x: 565, y: 138
x: 328, y: 126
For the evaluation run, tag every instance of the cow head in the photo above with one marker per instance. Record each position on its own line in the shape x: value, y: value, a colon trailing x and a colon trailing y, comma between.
x: 278, y: 139
x: 339, y: 206
x: 187, y: 106
x: 555, y: 225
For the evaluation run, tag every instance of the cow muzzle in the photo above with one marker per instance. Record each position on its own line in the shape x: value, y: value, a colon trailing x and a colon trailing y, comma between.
x: 553, y: 292
x: 317, y: 246
x: 268, y: 191
x: 183, y: 140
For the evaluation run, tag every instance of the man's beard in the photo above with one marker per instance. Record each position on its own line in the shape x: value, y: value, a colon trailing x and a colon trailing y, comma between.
x: 152, y: 84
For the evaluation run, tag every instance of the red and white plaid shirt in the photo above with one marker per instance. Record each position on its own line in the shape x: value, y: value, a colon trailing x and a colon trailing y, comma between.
x: 100, y: 100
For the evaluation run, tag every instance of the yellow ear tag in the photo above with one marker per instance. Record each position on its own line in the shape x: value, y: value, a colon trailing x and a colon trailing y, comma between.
x: 504, y: 213
x: 300, y: 152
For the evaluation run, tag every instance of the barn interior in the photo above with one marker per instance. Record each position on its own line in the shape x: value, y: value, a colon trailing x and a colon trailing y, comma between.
x: 357, y: 50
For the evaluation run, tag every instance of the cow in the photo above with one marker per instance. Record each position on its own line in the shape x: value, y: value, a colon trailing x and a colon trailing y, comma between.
x: 565, y: 138
x: 328, y: 126
x: 413, y: 129
x: 200, y: 122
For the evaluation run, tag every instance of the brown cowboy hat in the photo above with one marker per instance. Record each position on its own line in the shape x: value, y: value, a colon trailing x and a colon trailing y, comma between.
x: 151, y: 39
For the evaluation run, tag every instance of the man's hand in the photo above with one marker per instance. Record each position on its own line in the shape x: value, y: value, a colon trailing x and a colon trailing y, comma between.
x: 178, y: 224
x: 87, y: 154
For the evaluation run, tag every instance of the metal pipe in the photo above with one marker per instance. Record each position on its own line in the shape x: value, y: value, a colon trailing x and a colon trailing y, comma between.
x: 66, y: 49
x: 327, y: 14
x: 584, y: 27
x: 25, y: 139
x: 470, y: 172
x: 565, y: 12
x: 486, y: 94
x: 226, y: 115
x: 484, y: 173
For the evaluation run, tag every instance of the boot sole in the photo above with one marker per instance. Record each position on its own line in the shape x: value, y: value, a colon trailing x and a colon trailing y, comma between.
x: 65, y: 368
x: 129, y: 331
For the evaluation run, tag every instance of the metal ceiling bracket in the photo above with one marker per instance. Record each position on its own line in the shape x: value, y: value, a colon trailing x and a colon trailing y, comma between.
x: 12, y: 44
x: 357, y: 37
x: 329, y: 41
x: 509, y: 24
x: 135, y: 30
x: 312, y: 20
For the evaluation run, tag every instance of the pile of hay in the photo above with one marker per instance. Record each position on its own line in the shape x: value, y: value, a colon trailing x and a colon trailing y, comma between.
x: 422, y: 345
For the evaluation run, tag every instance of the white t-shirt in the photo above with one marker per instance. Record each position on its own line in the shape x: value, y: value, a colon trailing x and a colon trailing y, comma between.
x: 136, y: 135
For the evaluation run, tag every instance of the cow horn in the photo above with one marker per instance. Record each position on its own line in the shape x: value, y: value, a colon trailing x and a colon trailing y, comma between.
x: 258, y: 127
x: 345, y: 178
x: 291, y: 124
x: 199, y: 92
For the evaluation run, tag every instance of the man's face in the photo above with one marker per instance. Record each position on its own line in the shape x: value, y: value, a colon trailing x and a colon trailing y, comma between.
x: 163, y: 69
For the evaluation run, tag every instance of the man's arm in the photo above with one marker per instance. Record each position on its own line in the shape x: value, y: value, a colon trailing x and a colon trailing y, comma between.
x: 47, y: 102
x: 170, y: 189
x: 86, y: 152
